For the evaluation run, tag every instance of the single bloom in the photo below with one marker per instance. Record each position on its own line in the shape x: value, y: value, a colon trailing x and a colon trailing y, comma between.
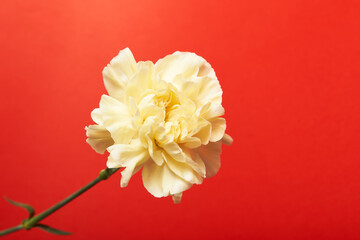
x: 163, y: 118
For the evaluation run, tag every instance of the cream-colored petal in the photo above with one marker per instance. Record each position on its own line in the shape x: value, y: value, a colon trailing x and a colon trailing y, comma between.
x: 124, y: 154
x: 117, y: 74
x: 192, y: 76
x: 184, y: 63
x: 117, y: 119
x: 174, y: 150
x: 129, y: 171
x: 131, y: 156
x: 187, y: 87
x: 111, y: 163
x: 96, y: 116
x: 151, y: 110
x: 183, y: 170
x: 210, y: 90
x: 215, y: 110
x: 218, y: 126
x: 210, y: 155
x: 141, y: 81
x: 203, y: 132
x: 200, y: 165
x: 190, y: 142
x: 154, y: 151
x: 161, y: 182
x: 98, y: 138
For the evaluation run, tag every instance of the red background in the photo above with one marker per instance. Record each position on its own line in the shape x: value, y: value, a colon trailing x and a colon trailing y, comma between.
x: 290, y: 75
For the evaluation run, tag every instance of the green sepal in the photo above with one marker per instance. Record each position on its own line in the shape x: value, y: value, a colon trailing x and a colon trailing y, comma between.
x: 29, y: 208
x: 52, y: 230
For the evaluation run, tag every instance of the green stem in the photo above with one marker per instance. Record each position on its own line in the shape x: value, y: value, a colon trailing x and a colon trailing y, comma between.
x: 10, y: 230
x: 29, y: 223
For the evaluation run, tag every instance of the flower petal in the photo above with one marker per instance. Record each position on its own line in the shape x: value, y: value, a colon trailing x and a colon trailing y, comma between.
x: 184, y: 63
x: 203, y: 132
x: 215, y: 110
x: 190, y: 142
x: 192, y: 76
x: 210, y: 154
x: 210, y: 90
x: 218, y: 126
x: 141, y: 81
x: 118, y: 72
x: 117, y: 119
x: 98, y: 138
x: 96, y: 116
x: 174, y: 150
x: 131, y: 156
x: 161, y: 182
x: 182, y: 170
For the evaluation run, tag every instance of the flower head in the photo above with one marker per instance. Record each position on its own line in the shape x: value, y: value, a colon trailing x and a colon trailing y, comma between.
x: 163, y: 118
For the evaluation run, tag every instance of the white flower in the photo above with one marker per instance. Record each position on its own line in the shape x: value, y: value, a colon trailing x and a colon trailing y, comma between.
x: 164, y: 118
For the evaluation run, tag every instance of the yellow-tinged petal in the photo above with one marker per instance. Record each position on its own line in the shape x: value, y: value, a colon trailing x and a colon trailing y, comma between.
x: 117, y: 74
x: 160, y: 181
x: 218, y: 126
x: 96, y: 116
x: 203, y: 132
x: 174, y: 150
x: 98, y: 138
x: 132, y: 156
x: 117, y: 119
x: 190, y: 142
x: 210, y: 155
x: 213, y: 111
x: 210, y: 90
x: 184, y: 63
x: 182, y: 170
x: 141, y: 81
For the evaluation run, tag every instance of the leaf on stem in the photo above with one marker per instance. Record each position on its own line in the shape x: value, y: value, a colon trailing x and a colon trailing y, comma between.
x: 52, y: 230
x: 29, y: 208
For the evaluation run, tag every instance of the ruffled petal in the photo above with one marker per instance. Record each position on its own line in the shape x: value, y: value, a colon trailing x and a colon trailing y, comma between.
x: 141, y: 81
x: 131, y: 156
x: 98, y: 138
x: 174, y: 150
x: 218, y: 126
x: 183, y: 170
x: 184, y: 63
x: 190, y: 142
x: 210, y: 155
x: 192, y: 76
x: 210, y: 90
x: 213, y: 111
x: 117, y: 74
x: 203, y: 132
x: 117, y: 119
x: 160, y: 181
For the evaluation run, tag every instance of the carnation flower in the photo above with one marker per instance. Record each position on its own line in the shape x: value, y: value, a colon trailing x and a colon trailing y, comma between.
x: 163, y: 118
